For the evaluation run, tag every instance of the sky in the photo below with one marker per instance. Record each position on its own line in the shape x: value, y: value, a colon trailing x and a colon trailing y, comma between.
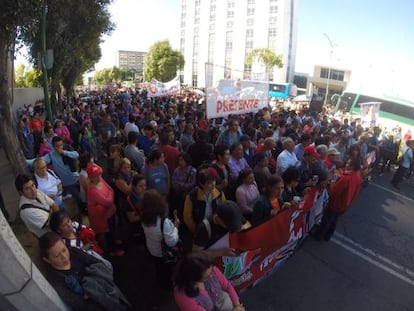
x: 374, y: 39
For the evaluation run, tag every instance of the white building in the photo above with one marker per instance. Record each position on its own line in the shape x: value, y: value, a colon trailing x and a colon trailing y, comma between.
x: 224, y: 32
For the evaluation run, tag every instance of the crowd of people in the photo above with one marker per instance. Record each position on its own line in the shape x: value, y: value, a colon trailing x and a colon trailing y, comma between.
x: 158, y: 167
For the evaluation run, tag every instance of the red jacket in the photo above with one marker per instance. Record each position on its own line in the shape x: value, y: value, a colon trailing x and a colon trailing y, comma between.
x: 343, y: 192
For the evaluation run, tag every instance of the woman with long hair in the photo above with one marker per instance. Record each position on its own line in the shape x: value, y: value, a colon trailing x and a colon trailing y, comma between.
x: 158, y: 228
x: 199, y: 285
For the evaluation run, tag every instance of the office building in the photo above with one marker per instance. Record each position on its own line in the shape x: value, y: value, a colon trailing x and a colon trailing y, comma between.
x: 130, y: 60
x: 224, y: 32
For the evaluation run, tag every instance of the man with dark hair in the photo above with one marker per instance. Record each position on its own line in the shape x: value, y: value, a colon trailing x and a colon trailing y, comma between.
x: 305, y: 140
x: 201, y: 151
x: 35, y: 207
x: 130, y: 126
x: 132, y: 152
x: 220, y: 167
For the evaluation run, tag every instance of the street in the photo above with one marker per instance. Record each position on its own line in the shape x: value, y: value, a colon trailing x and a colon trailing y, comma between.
x: 367, y: 265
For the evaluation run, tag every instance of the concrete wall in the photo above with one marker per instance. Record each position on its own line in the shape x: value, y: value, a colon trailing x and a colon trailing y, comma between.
x: 22, y: 286
x: 26, y: 96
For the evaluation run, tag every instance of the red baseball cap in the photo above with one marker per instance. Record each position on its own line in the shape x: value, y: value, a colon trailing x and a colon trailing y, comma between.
x: 311, y: 150
x: 94, y: 170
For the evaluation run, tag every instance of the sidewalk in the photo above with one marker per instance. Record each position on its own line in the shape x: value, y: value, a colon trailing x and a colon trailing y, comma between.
x: 134, y: 273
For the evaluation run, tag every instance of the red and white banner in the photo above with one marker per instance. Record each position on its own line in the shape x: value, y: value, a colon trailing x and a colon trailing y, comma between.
x: 236, y: 97
x: 265, y: 247
x: 156, y: 88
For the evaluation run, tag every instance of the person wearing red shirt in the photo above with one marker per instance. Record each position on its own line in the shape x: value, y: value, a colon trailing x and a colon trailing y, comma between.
x: 36, y: 127
x: 101, y: 210
x: 171, y: 153
x: 341, y: 195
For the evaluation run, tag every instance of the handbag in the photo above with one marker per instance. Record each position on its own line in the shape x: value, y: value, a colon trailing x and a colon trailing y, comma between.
x: 170, y: 254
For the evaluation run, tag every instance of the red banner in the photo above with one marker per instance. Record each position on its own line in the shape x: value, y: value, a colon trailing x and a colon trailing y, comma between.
x: 265, y: 247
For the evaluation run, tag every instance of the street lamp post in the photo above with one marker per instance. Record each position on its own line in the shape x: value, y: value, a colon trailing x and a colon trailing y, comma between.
x: 329, y: 69
x: 43, y: 62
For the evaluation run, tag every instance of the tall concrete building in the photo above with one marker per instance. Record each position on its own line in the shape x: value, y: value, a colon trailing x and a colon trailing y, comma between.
x: 130, y: 60
x: 224, y: 32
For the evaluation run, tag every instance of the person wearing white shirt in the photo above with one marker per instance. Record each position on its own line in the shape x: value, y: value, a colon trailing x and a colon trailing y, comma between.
x: 48, y: 182
x: 35, y: 207
x: 130, y: 126
x: 287, y: 157
x: 158, y: 230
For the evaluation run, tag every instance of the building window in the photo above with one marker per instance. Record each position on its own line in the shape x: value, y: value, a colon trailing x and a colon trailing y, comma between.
x: 230, y: 24
x: 250, y: 22
x: 212, y: 27
x: 197, y: 20
x: 247, y: 68
x: 335, y: 74
x: 272, y: 45
x: 272, y: 32
x: 272, y: 20
x: 273, y: 9
x: 230, y: 4
x: 194, y: 80
x: 250, y: 11
x: 230, y: 14
x: 249, y: 33
x: 249, y: 44
x: 250, y: 2
x: 212, y: 16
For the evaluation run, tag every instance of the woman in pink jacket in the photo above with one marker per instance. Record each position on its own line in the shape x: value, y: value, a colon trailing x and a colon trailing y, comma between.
x: 200, y: 286
x: 62, y: 130
x: 101, y: 211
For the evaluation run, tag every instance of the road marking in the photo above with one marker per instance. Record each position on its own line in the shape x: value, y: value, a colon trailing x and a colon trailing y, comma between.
x: 392, y: 191
x: 374, y: 258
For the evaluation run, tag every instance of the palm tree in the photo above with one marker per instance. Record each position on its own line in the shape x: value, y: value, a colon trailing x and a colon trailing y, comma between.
x: 265, y: 56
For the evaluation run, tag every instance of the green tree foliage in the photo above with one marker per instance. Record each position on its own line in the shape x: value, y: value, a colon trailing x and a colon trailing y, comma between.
x: 17, y: 19
x: 162, y: 62
x: 27, y: 78
x: 114, y: 74
x: 265, y: 56
x: 74, y: 29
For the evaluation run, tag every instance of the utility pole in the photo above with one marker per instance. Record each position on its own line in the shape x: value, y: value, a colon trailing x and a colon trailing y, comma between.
x: 329, y: 69
x: 43, y: 63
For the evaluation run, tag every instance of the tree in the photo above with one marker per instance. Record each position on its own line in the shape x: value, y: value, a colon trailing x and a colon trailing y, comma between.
x: 73, y: 31
x: 265, y: 56
x: 27, y: 78
x: 17, y: 19
x: 162, y: 62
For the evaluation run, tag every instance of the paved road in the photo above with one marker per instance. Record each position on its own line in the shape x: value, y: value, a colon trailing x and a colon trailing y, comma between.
x: 368, y: 265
